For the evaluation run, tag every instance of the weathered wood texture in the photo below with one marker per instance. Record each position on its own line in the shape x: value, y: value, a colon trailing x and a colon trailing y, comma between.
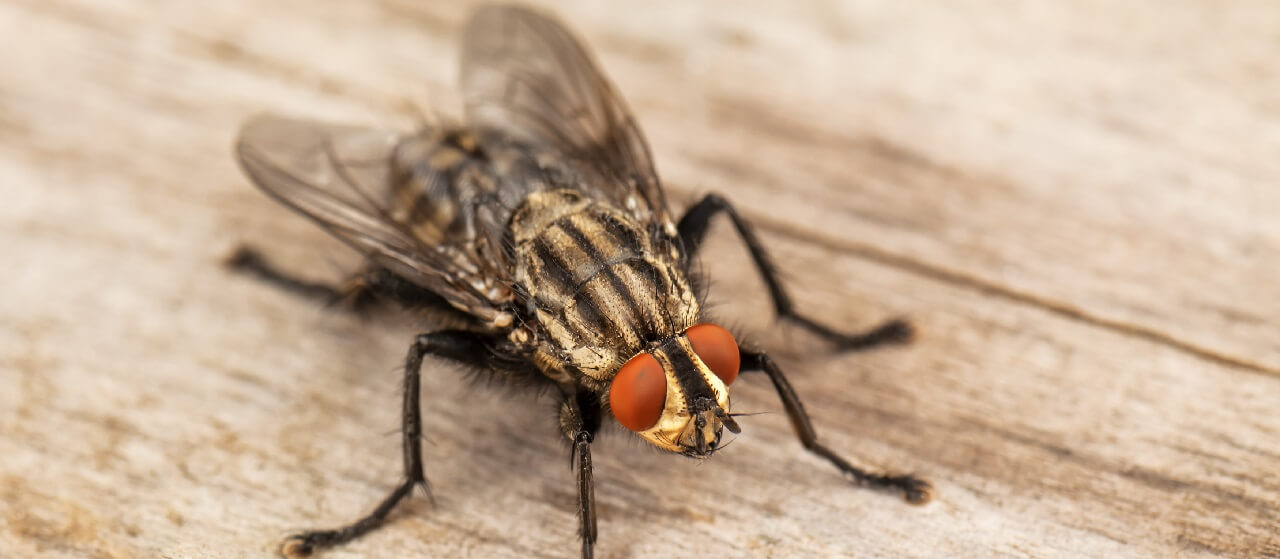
x: 1077, y: 203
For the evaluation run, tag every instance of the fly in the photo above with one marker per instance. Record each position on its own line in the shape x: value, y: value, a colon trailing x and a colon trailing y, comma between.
x: 539, y: 230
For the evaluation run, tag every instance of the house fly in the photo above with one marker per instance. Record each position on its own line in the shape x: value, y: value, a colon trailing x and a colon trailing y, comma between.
x: 539, y: 228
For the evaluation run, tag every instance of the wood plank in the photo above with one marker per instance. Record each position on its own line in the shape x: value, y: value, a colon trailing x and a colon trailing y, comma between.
x: 1073, y: 203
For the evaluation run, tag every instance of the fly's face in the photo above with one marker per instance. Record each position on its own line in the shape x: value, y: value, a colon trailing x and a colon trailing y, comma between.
x: 676, y: 395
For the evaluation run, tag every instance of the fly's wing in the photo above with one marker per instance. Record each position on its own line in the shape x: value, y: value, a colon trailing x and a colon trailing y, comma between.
x: 527, y: 77
x: 339, y: 177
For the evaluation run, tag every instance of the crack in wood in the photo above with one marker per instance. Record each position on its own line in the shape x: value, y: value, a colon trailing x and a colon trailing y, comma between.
x: 981, y: 285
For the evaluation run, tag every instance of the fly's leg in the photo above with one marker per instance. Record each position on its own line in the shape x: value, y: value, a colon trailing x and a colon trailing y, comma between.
x: 356, y: 293
x: 360, y: 293
x: 916, y: 491
x: 693, y: 229
x: 458, y: 345
x: 579, y: 420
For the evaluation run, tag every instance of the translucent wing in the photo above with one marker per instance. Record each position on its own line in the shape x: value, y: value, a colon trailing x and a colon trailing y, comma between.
x: 526, y: 76
x: 339, y: 177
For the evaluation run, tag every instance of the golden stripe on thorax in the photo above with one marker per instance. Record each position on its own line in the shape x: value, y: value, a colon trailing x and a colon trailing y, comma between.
x: 568, y: 272
x: 601, y: 284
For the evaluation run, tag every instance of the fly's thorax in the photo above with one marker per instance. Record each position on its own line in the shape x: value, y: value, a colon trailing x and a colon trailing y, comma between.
x: 599, y: 286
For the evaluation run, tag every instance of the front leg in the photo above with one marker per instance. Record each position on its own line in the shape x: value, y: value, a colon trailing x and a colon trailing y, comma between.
x: 693, y: 229
x: 580, y: 417
x: 916, y: 491
x: 461, y: 346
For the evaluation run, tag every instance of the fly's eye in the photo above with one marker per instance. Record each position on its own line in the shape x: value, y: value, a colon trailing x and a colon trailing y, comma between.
x: 638, y: 393
x: 715, y: 347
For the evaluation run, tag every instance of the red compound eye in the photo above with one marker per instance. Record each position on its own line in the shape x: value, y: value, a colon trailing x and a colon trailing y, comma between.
x: 638, y: 393
x: 715, y: 347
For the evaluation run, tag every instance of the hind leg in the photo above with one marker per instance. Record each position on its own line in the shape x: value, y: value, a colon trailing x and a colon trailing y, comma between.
x: 357, y: 293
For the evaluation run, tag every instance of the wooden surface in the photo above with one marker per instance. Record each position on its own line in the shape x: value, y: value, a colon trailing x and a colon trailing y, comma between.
x: 1077, y: 203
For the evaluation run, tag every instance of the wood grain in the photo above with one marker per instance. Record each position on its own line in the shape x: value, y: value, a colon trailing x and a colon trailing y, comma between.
x: 1075, y: 202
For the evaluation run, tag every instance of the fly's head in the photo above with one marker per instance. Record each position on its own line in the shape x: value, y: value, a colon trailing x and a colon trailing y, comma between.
x: 676, y: 395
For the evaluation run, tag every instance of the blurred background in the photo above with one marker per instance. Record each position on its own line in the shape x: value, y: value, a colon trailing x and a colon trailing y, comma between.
x: 1075, y: 202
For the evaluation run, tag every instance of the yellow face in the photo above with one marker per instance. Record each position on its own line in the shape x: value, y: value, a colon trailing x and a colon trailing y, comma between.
x: 683, y: 423
x: 676, y: 395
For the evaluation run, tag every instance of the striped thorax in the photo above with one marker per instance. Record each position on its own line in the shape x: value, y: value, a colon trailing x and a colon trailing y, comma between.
x: 598, y: 285
x: 603, y: 293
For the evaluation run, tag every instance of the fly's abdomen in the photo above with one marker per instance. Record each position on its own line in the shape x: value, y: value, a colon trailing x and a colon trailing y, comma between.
x: 599, y: 289
x: 440, y: 176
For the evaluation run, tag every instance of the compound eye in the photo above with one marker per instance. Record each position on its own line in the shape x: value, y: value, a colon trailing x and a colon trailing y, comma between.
x: 715, y: 347
x: 638, y: 393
